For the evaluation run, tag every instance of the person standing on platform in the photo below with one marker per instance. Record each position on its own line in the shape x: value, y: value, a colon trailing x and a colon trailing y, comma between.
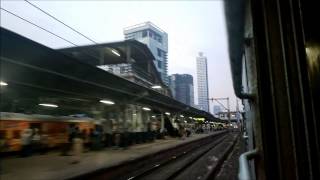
x: 77, y: 146
x: 182, y: 131
x: 26, y: 138
x: 107, y: 133
x: 44, y: 143
x: 36, y: 137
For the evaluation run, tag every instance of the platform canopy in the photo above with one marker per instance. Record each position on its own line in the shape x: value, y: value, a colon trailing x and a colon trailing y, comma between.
x: 36, y: 73
x: 121, y: 52
x: 127, y: 51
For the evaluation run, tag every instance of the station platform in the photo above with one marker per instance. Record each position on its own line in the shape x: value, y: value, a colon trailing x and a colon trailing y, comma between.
x: 54, y: 166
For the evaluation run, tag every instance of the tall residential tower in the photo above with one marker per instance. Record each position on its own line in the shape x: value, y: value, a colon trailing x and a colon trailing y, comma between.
x: 157, y: 41
x: 202, y: 79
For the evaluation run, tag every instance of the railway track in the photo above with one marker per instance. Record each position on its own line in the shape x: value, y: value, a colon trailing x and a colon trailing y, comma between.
x: 198, y: 159
x: 201, y: 162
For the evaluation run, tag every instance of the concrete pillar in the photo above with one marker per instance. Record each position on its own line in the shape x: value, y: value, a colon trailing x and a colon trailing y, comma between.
x: 145, y: 120
x: 139, y: 120
x: 162, y: 123
x: 128, y: 53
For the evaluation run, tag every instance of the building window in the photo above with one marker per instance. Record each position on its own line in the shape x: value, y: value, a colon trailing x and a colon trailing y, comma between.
x: 144, y: 33
x: 159, y: 52
x: 159, y: 64
x: 158, y: 38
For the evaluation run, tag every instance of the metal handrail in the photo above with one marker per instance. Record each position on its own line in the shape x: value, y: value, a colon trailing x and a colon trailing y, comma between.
x: 244, y: 170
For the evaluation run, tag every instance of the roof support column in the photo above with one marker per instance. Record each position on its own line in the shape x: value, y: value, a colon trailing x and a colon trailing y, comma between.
x: 162, y: 122
x: 128, y: 53
x: 101, y: 58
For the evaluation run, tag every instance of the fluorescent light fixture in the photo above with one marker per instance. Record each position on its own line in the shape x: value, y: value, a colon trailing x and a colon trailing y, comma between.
x: 185, y: 121
x: 48, y: 105
x: 107, y: 102
x: 115, y: 52
x: 190, y: 117
x: 156, y: 87
x: 167, y: 113
x: 2, y: 83
x: 153, y: 116
x: 146, y: 109
x: 181, y: 116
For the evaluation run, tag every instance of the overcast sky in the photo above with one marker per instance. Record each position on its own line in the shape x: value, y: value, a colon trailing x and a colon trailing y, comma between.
x: 192, y: 26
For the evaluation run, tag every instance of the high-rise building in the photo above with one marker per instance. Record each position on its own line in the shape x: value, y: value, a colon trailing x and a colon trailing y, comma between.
x: 202, y: 80
x: 181, y: 86
x: 157, y: 41
x: 216, y: 109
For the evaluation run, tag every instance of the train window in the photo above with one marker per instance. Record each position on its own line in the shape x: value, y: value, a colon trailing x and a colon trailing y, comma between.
x: 3, y: 134
x: 35, y: 125
x: 16, y: 134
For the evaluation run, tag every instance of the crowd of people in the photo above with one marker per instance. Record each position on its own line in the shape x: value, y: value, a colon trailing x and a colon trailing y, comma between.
x: 34, y: 141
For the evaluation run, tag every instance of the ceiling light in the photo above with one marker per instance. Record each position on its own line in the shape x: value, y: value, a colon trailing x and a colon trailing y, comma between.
x: 2, y: 83
x: 167, y: 113
x: 156, y: 87
x: 146, y: 109
x: 48, y: 105
x: 107, y: 102
x: 181, y: 116
x: 153, y: 116
x: 115, y: 52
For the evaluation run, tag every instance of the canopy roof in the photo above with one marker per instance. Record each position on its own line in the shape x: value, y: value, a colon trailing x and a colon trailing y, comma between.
x: 99, y: 54
x: 128, y: 51
x: 39, y: 73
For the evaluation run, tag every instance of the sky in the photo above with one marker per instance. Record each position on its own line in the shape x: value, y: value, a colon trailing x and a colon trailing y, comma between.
x: 192, y: 27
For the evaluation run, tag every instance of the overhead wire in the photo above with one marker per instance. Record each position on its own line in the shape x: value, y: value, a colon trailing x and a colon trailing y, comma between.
x: 50, y: 32
x: 53, y: 17
x: 37, y: 26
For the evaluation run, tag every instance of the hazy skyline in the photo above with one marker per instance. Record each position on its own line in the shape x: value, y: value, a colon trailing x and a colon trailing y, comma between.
x: 192, y: 27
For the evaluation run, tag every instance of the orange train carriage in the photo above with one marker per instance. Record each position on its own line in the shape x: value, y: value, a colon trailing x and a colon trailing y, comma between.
x: 55, y: 128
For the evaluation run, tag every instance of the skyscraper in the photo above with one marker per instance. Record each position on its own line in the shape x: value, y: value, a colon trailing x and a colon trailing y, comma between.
x: 202, y: 79
x: 157, y: 41
x: 181, y: 86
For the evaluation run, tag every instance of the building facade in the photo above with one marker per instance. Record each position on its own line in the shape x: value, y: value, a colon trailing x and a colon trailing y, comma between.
x: 181, y: 86
x: 157, y: 41
x: 202, y: 80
